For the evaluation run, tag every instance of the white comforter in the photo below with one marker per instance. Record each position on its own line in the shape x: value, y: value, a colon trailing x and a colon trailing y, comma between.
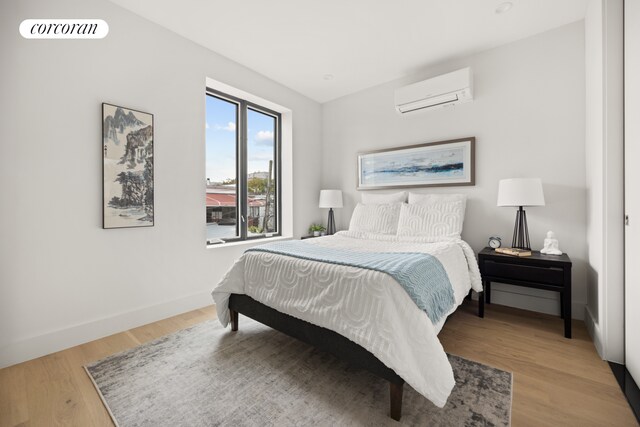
x: 368, y: 307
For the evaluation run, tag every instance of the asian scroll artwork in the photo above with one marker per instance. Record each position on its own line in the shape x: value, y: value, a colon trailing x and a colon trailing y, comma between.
x: 127, y: 139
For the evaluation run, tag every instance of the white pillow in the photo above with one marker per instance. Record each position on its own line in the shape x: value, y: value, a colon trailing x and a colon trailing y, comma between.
x: 436, y: 219
x: 383, y: 199
x: 381, y: 219
x: 422, y: 199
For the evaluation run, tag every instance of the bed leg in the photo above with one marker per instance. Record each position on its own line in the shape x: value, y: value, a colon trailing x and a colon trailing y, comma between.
x: 234, y: 319
x: 395, y: 393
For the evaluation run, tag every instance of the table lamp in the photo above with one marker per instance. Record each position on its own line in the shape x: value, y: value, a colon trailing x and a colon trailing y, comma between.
x: 520, y: 192
x: 331, y: 199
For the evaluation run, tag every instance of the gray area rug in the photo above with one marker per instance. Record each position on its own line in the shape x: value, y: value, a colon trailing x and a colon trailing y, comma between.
x: 207, y: 375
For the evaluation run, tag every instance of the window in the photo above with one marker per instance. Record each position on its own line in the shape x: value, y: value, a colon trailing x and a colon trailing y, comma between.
x: 243, y: 170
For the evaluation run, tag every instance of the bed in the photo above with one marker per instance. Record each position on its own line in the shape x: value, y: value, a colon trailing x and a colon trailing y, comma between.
x: 359, y: 313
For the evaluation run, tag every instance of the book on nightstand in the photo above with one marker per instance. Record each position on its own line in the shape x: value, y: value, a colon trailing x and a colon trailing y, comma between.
x: 514, y: 251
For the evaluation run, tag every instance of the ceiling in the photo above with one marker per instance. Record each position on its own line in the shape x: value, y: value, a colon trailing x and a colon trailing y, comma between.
x: 359, y: 43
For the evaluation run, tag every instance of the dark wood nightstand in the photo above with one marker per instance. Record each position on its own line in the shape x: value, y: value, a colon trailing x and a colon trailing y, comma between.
x: 549, y: 272
x: 311, y: 236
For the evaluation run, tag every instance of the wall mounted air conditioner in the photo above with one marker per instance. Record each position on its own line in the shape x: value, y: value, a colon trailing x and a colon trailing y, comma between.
x: 441, y: 91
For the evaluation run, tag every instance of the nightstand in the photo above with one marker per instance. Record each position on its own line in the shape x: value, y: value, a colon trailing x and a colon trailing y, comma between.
x: 549, y: 272
x: 310, y: 236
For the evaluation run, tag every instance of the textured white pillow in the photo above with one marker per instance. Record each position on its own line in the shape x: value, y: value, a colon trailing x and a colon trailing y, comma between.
x: 381, y: 219
x: 382, y: 199
x: 436, y: 219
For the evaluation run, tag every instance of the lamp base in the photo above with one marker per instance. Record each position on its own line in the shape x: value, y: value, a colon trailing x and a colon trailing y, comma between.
x: 331, y: 223
x: 521, y: 231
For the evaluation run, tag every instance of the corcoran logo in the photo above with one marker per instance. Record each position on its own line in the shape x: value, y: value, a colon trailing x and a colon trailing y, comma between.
x: 64, y: 29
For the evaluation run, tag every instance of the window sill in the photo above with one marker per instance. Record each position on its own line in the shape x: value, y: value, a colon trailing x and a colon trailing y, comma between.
x: 253, y: 242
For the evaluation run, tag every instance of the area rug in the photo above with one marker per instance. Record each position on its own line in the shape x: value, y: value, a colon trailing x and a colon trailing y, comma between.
x: 207, y: 375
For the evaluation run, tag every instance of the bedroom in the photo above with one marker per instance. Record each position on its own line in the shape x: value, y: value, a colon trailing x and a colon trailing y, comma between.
x: 548, y: 104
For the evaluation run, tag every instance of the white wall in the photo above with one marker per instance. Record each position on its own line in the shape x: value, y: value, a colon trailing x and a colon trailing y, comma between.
x: 604, y: 175
x: 594, y: 153
x: 529, y: 120
x: 63, y: 279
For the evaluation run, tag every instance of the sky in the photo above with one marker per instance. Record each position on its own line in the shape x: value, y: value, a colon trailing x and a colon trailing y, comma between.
x: 221, y: 140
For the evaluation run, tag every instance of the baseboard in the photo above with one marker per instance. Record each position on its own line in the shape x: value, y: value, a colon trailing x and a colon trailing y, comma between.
x: 629, y: 387
x: 61, y: 339
x: 540, y: 301
x: 594, y: 331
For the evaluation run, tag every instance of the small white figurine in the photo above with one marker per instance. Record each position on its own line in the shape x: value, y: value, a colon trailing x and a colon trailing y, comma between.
x: 551, y: 245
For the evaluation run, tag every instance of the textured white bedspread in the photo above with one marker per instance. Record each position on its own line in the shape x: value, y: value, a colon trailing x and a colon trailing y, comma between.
x: 366, y: 306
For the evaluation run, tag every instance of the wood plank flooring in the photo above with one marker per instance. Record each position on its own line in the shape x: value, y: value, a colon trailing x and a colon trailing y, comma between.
x: 557, y: 382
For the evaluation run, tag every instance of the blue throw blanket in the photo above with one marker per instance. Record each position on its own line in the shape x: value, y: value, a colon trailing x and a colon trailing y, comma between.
x: 421, y: 275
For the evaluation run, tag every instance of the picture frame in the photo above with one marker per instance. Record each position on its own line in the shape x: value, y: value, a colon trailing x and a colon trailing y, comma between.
x: 431, y: 164
x: 127, y: 168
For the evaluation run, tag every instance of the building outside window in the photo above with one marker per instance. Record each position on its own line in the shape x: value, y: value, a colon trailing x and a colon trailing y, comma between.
x: 243, y: 169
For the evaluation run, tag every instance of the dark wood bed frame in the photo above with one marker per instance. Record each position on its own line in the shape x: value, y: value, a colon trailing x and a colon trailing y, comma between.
x: 325, y: 340
x: 321, y: 338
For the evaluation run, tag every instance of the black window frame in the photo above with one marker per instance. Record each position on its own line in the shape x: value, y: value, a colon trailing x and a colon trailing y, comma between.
x: 242, y: 193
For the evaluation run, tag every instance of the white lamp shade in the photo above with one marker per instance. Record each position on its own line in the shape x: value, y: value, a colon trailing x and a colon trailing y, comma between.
x: 520, y: 192
x: 330, y: 199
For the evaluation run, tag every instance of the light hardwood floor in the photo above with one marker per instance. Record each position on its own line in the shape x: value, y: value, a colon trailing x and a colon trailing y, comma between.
x: 557, y: 382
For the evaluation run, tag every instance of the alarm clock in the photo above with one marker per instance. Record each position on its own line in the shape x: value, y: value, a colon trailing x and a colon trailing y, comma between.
x: 495, y: 242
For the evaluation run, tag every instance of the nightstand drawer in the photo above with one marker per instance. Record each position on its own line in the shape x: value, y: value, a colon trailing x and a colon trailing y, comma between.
x: 550, y: 275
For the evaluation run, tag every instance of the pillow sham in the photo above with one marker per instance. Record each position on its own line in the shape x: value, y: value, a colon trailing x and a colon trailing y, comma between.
x: 430, y: 199
x: 382, y: 199
x: 379, y: 218
x: 436, y: 219
x: 421, y: 198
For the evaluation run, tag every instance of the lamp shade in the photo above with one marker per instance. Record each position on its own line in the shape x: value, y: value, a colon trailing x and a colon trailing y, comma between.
x: 330, y: 199
x: 520, y: 192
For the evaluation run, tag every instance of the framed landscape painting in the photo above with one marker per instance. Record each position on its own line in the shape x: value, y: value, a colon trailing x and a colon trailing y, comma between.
x: 443, y: 163
x: 127, y: 149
